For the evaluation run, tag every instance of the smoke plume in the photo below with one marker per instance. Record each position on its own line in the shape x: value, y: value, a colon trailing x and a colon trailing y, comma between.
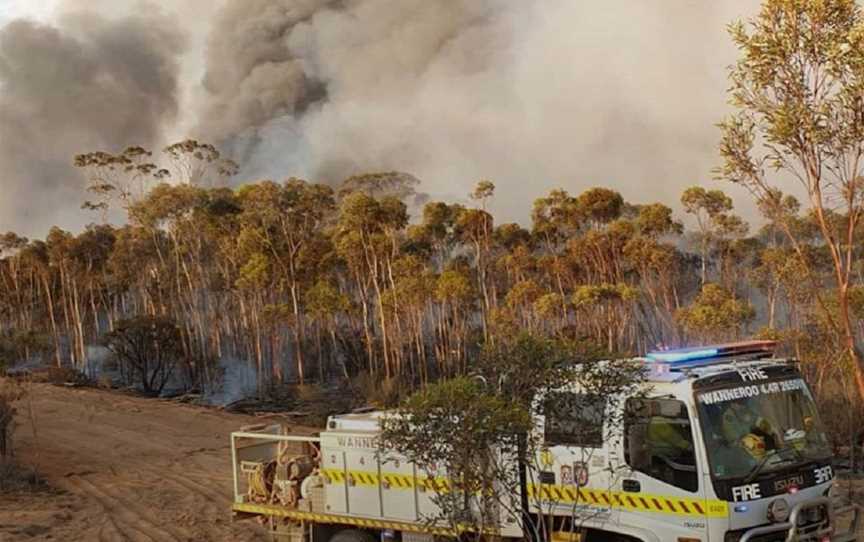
x: 531, y: 94
x: 534, y: 95
x: 85, y: 83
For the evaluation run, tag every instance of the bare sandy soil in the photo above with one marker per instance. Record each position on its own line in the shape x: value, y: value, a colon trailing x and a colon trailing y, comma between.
x: 124, y: 468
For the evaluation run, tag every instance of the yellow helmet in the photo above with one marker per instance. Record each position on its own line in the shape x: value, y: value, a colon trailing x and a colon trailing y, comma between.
x: 754, y: 444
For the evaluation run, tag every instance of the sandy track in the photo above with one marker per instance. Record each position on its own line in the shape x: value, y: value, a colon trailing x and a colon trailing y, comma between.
x: 126, y: 468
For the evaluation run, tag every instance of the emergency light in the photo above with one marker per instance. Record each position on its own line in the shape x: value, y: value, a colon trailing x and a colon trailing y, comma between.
x: 708, y: 355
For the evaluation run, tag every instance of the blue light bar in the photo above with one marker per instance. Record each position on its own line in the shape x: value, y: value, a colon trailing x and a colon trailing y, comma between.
x: 707, y: 355
x: 673, y: 356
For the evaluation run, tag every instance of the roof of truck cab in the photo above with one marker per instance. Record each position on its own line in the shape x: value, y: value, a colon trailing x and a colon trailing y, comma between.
x: 709, y: 369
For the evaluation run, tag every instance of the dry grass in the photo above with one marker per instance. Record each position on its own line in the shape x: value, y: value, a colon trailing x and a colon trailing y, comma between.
x: 13, y: 477
x: 11, y: 392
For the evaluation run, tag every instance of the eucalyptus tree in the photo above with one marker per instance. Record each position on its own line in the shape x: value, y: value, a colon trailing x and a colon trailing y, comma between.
x: 474, y: 228
x: 716, y: 314
x: 199, y: 163
x: 797, y: 91
x: 287, y: 221
x: 366, y: 237
x: 119, y: 179
x: 710, y: 208
x: 557, y: 218
x: 325, y: 303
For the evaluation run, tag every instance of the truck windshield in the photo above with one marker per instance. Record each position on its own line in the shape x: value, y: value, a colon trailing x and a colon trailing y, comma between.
x: 760, y: 427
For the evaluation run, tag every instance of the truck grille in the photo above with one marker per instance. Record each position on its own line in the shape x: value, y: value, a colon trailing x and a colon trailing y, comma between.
x: 813, y: 525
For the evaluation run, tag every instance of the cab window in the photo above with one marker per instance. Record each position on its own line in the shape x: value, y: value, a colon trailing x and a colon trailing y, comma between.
x: 574, y: 419
x: 658, y: 441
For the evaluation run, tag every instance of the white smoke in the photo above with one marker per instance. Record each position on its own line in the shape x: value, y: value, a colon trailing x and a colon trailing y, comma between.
x: 99, y: 364
x: 531, y: 94
x: 534, y: 95
x: 238, y: 381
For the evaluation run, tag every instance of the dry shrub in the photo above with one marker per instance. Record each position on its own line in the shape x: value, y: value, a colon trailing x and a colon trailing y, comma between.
x: 378, y: 392
x: 319, y: 402
x: 67, y: 375
x: 104, y: 382
x: 14, y: 478
x: 10, y: 393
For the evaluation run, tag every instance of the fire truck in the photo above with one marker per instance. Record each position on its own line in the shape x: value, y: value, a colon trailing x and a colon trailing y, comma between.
x: 722, y: 444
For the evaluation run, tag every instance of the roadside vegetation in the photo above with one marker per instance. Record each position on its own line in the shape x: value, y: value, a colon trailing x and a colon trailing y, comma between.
x: 14, y: 477
x: 491, y: 447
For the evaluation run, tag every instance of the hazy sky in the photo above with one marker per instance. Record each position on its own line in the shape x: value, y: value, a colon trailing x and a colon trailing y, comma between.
x: 533, y: 94
x: 40, y: 9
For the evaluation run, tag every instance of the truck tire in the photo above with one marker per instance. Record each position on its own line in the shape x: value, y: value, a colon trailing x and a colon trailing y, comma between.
x: 353, y: 535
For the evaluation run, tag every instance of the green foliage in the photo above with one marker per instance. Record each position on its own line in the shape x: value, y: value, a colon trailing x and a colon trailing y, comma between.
x: 656, y: 219
x: 22, y: 346
x: 454, y: 286
x: 255, y: 273
x: 592, y: 295
x: 716, y: 313
x: 600, y: 205
x: 696, y: 201
x: 324, y: 301
x: 488, y: 420
x: 796, y: 90
x: 485, y: 189
x: 526, y: 364
x: 480, y: 428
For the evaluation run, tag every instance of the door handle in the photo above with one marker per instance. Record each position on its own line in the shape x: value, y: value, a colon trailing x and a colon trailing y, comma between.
x: 631, y: 486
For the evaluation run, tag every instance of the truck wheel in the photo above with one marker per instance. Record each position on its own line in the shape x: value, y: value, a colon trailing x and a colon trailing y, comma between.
x: 353, y: 535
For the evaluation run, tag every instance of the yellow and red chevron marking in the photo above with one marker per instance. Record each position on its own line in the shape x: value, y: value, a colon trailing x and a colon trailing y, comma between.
x: 316, y: 517
x: 390, y: 479
x: 637, y: 502
x: 548, y: 493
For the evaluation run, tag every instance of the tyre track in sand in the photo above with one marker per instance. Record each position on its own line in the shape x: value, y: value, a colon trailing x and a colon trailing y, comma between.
x: 136, y: 469
x: 173, y: 474
x: 110, y: 533
x: 128, y: 519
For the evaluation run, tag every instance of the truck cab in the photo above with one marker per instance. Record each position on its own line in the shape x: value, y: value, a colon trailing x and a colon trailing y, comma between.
x: 723, y: 443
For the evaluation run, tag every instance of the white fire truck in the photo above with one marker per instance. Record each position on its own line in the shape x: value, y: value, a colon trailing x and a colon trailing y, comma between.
x: 723, y: 444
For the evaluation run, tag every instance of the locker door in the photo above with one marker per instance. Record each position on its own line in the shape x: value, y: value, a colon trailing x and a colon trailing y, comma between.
x: 364, y: 488
x: 397, y: 489
x: 336, y: 494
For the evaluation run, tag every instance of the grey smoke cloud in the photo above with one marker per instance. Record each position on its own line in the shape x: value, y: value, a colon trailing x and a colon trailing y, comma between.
x: 531, y: 94
x: 83, y: 83
x: 534, y: 95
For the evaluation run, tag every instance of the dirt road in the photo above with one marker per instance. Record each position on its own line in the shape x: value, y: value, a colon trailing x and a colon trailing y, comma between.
x: 126, y: 468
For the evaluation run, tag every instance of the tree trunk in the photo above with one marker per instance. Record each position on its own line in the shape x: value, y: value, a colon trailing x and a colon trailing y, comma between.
x: 298, y: 330
x: 55, y: 333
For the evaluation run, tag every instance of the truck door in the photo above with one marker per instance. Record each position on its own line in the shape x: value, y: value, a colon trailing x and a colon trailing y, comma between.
x: 660, y: 487
x: 574, y: 476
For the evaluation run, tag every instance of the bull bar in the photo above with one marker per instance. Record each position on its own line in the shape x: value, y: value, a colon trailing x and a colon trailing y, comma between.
x: 794, y: 532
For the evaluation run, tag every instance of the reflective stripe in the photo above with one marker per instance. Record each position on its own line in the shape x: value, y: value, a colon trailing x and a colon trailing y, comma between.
x: 549, y: 493
x: 396, y: 481
x: 315, y: 517
x: 628, y: 501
